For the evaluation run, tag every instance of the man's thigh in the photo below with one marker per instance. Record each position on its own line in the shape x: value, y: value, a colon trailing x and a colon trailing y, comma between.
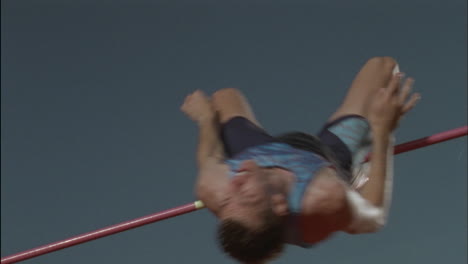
x: 230, y: 103
x: 239, y: 133
x: 375, y: 74
x: 239, y: 128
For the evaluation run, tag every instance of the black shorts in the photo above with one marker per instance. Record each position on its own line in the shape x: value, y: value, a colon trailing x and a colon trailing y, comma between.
x: 239, y: 133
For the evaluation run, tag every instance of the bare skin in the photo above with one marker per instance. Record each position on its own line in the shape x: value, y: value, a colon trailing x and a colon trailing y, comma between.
x: 325, y: 204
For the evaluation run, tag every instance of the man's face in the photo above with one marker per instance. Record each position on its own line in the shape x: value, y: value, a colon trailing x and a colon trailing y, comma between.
x: 246, y: 195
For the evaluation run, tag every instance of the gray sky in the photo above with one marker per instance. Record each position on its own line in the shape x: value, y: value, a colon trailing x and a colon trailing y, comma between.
x: 92, y: 134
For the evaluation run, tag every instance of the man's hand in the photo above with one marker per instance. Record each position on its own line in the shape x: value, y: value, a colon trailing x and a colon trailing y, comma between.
x: 391, y: 103
x: 197, y: 106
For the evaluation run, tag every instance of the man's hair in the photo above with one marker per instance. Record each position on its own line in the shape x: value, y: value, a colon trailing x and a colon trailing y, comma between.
x: 251, y: 245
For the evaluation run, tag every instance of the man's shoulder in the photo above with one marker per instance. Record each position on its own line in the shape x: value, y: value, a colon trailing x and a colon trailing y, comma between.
x: 326, y: 194
x: 324, y: 208
x: 215, y: 175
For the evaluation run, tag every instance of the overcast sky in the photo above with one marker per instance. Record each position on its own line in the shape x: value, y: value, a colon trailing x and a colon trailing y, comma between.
x: 92, y: 135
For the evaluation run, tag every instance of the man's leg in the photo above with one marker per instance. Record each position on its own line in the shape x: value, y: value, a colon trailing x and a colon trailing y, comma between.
x: 229, y: 103
x: 239, y: 127
x: 375, y: 74
x: 347, y: 130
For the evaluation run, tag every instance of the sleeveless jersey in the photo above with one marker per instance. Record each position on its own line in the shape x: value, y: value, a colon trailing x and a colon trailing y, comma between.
x: 304, y: 165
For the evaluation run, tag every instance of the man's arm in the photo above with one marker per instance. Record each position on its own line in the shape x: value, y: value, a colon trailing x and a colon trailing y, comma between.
x: 370, y: 206
x: 373, y: 190
x: 209, y: 142
x: 212, y: 172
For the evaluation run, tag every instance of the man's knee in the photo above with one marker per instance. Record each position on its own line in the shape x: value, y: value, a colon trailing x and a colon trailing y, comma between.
x: 229, y: 103
x: 384, y: 63
x: 224, y: 94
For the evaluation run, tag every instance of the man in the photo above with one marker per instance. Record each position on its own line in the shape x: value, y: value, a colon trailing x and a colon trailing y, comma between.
x: 297, y: 188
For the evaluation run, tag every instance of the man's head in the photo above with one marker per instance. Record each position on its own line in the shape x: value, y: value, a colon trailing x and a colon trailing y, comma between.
x: 252, y: 245
x: 252, y: 215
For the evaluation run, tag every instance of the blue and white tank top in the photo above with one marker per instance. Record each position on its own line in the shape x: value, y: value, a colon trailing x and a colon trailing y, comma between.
x: 304, y: 165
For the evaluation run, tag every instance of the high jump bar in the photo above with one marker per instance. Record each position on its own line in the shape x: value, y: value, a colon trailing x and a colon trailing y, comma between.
x: 187, y: 208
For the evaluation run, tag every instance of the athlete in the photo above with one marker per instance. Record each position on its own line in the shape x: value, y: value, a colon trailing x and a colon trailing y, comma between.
x: 298, y: 188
